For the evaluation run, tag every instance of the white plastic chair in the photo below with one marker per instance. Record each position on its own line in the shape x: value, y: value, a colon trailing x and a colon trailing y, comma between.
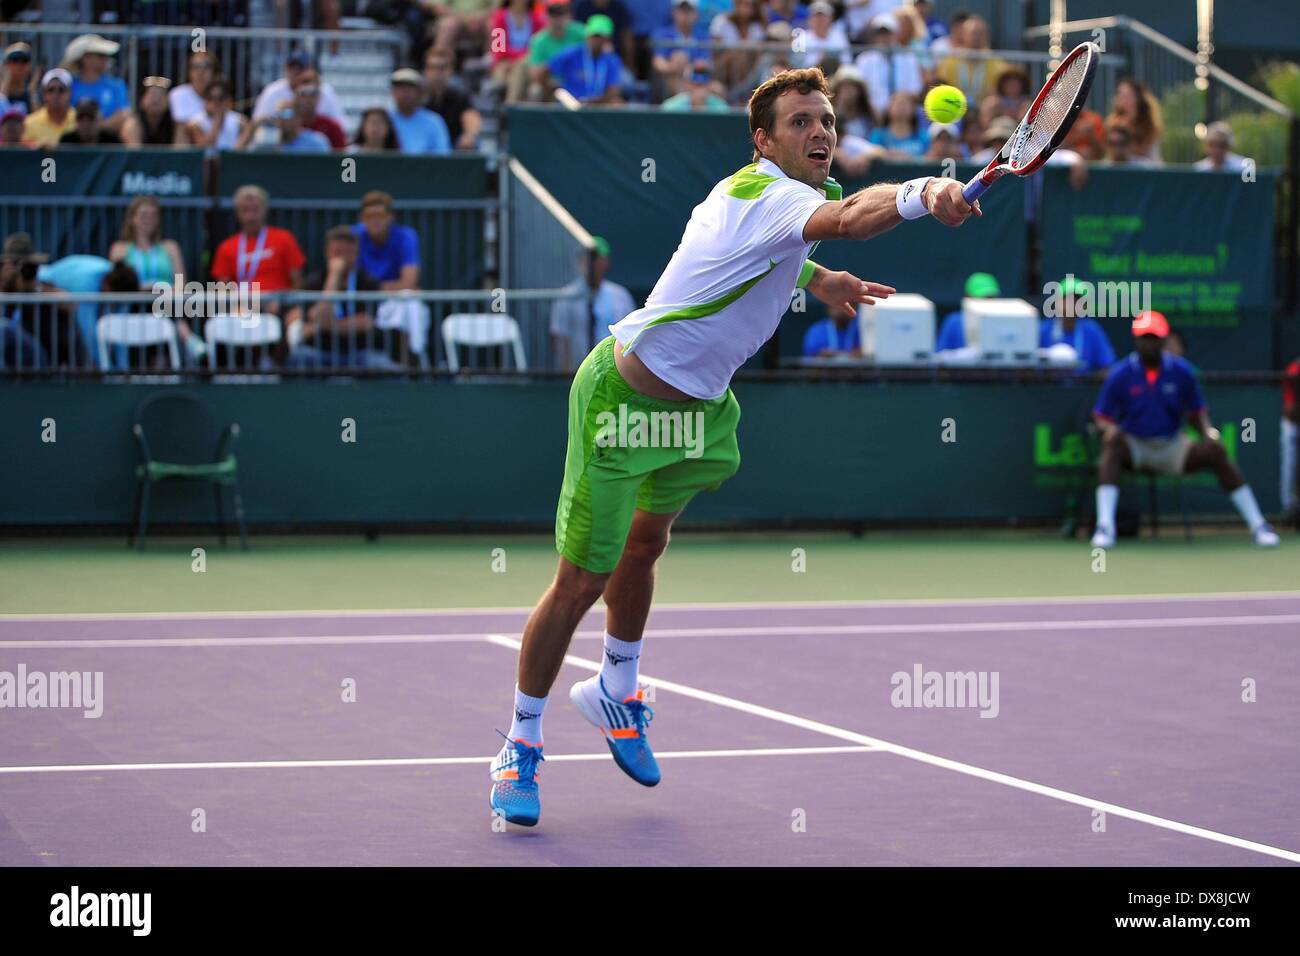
x: 242, y: 331
x: 481, y: 329
x: 136, y: 329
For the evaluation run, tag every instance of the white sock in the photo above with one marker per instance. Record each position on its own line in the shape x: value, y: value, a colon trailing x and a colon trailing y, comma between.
x: 1244, y: 499
x: 1107, y: 499
x: 527, y: 723
x: 1288, y: 464
x: 618, y: 671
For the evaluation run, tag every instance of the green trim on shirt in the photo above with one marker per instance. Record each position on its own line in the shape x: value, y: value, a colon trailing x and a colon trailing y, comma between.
x: 748, y: 183
x: 704, y: 308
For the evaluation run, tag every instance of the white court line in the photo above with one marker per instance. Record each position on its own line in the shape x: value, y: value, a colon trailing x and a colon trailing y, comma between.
x: 932, y: 759
x: 418, y: 761
x: 1165, y: 598
x: 781, y: 630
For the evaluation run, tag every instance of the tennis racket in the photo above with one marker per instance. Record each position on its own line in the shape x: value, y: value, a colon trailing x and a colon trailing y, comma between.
x: 1046, y: 124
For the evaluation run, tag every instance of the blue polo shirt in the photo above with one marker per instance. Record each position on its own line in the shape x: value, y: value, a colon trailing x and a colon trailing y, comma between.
x: 664, y: 38
x: 1146, y: 408
x: 649, y: 15
x: 1088, y: 339
x: 952, y: 333
x: 584, y: 76
x: 108, y: 91
x: 825, y: 335
x: 384, y: 263
x: 424, y: 131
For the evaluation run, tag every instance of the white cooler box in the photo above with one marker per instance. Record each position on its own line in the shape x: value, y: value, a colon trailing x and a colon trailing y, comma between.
x: 898, y: 330
x: 1004, y: 330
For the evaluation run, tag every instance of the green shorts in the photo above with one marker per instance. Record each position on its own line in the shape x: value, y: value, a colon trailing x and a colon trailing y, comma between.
x: 628, y: 452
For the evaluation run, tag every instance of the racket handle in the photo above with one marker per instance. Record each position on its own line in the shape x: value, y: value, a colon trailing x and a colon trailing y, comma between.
x: 974, y: 189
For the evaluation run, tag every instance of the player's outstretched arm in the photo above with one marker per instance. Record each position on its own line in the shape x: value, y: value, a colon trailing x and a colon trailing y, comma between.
x: 877, y: 209
x: 843, y: 289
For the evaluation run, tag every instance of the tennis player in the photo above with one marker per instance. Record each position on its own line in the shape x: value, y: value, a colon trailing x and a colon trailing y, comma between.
x: 744, y: 251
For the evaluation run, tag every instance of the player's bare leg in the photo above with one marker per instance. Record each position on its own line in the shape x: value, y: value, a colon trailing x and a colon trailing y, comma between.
x: 551, y: 626
x: 631, y: 587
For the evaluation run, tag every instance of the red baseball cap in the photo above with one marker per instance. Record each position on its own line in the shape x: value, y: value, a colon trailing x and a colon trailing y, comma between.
x: 1151, y: 323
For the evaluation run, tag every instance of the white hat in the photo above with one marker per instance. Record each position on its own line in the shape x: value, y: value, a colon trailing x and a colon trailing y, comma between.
x: 885, y: 21
x: 89, y: 43
x: 937, y: 128
x: 58, y: 73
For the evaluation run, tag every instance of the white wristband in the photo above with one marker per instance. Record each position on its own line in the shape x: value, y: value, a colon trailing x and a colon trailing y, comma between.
x: 908, y: 199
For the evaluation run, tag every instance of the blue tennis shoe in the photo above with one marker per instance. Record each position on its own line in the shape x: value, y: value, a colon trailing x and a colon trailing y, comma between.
x: 623, y: 725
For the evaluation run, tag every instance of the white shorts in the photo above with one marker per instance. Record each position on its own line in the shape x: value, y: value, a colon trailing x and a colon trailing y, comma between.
x: 1164, y: 456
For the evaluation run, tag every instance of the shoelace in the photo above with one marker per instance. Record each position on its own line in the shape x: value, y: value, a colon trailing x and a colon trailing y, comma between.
x: 641, y: 714
x: 524, y: 761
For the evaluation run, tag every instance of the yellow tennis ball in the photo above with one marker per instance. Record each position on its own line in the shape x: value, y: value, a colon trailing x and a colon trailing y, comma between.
x: 945, y: 104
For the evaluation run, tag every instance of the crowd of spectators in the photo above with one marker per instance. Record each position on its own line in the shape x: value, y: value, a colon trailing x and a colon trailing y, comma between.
x: 881, y: 56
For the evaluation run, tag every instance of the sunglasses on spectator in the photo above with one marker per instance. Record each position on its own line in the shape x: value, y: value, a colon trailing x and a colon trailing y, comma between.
x: 159, y: 81
x: 308, y: 91
x: 18, y: 58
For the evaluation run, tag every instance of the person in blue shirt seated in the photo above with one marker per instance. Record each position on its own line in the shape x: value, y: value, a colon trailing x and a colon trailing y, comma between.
x: 835, y: 336
x: 787, y: 11
x: 419, y: 130
x: 680, y: 45
x: 1069, y: 327
x: 1143, y: 404
x: 294, y: 137
x: 952, y: 333
x: 592, y: 72
x: 87, y: 58
x: 903, y: 136
x: 390, y: 253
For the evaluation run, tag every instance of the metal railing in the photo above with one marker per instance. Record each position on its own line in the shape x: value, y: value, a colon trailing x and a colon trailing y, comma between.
x: 542, y: 244
x: 220, y: 333
x: 252, y: 58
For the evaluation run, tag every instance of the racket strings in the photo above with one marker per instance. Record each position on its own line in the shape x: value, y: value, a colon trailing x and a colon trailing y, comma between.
x: 1032, y: 138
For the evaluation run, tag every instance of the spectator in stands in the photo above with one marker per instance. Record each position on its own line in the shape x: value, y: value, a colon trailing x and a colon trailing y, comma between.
x: 944, y: 142
x: 935, y: 28
x: 151, y: 123
x: 16, y: 81
x: 11, y: 128
x: 853, y: 154
x: 266, y: 257
x: 326, y: 334
x: 975, y: 74
x: 89, y: 130
x: 617, y: 11
x: 591, y: 72
x: 73, y: 274
x: 648, y: 17
x: 457, y: 19
x: 792, y: 12
x: 87, y: 58
x: 822, y: 38
x: 1290, y: 439
x: 186, y: 101
x: 155, y: 259
x: 887, y: 68
x: 1087, y: 136
x: 561, y: 34
x: 1011, y: 96
x: 996, y: 134
x: 294, y: 136
x: 375, y: 133
x: 581, y: 319
x: 1071, y: 327
x: 1218, y: 150
x: 698, y: 95
x: 218, y: 126
x: 858, y: 15
x: 1143, y: 405
x: 952, y: 333
x: 512, y: 26
x: 390, y: 252
x: 1136, y: 108
x: 306, y: 95
x: 1119, y: 146
x: 679, y: 45
x: 45, y: 323
x: 901, y: 135
x: 744, y: 23
x: 851, y: 103
x: 955, y: 36
x: 418, y: 130
x: 449, y: 101
x: 836, y: 336
x: 47, y: 125
x: 19, y: 348
x: 282, y: 89
x: 972, y: 135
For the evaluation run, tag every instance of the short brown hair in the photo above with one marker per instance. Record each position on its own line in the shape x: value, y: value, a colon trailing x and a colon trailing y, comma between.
x: 377, y: 197
x: 341, y: 234
x: 762, y: 105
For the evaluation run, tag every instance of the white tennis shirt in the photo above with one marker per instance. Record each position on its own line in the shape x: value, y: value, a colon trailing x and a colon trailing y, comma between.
x: 729, y: 282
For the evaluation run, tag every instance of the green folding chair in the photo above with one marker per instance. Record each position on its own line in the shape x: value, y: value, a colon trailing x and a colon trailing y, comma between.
x: 179, y: 440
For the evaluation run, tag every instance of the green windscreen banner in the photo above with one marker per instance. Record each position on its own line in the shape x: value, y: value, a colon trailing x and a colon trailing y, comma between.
x: 71, y: 171
x: 352, y: 175
x: 1196, y: 246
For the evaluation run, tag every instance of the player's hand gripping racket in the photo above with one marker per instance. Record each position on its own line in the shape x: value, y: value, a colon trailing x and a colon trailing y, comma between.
x: 1046, y: 124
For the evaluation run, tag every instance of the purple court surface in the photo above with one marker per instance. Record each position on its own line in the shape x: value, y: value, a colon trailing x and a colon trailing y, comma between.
x: 1129, y: 732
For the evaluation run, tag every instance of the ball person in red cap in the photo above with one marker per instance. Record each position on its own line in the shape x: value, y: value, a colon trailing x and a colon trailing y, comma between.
x: 1141, y: 409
